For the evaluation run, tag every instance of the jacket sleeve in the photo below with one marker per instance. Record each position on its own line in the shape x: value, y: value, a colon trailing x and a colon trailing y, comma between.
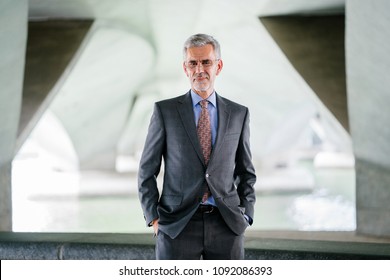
x: 149, y: 167
x: 244, y: 174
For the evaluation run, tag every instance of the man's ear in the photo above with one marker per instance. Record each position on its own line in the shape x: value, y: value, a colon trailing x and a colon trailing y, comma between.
x: 219, y: 66
x: 185, y: 68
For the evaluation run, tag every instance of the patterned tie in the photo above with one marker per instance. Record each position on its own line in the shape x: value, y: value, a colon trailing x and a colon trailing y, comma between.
x: 204, y: 134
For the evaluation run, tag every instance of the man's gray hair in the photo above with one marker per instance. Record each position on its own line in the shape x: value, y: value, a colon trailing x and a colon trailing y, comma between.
x: 200, y: 40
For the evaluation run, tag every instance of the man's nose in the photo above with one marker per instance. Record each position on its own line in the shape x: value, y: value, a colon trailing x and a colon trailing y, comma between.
x: 199, y: 67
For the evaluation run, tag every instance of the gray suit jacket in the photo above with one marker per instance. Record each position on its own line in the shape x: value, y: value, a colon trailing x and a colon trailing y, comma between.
x: 230, y: 173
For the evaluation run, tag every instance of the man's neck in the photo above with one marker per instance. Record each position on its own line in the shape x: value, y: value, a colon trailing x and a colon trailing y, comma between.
x: 203, y: 94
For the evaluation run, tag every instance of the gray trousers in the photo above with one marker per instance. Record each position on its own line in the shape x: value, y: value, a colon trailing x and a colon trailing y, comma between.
x: 206, y: 236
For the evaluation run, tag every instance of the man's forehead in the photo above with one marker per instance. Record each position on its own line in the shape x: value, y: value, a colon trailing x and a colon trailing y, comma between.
x: 203, y: 52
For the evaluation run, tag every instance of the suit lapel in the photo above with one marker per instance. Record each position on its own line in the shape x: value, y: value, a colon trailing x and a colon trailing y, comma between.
x: 223, y: 122
x: 186, y: 112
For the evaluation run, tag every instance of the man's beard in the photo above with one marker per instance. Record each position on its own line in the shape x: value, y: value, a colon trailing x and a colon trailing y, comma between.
x: 203, y: 85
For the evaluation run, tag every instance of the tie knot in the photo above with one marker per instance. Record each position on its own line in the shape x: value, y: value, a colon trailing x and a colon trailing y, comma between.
x: 204, y: 103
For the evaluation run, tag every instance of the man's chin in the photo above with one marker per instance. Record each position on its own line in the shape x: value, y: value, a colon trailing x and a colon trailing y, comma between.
x: 202, y: 92
x: 202, y: 88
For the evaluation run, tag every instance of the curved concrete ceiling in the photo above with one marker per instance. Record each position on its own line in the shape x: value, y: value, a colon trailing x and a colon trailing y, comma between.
x: 256, y: 72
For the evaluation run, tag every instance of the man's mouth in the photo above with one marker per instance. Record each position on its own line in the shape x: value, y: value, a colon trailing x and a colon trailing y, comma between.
x: 201, y: 77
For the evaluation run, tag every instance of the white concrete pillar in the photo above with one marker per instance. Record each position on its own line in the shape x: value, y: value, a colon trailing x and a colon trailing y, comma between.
x: 13, y: 36
x: 368, y: 86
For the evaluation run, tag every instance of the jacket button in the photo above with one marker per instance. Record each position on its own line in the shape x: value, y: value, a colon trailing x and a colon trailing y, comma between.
x: 207, y: 175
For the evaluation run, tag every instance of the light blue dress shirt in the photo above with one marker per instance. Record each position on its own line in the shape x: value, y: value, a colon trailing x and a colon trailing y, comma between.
x: 212, y: 108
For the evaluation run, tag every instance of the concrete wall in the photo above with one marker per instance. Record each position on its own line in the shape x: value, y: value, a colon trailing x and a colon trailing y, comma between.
x: 368, y: 68
x: 315, y: 47
x: 51, y: 45
x: 13, y: 33
x: 106, y: 246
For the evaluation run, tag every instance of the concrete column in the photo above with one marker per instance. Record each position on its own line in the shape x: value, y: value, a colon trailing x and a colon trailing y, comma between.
x: 13, y: 36
x: 368, y: 68
x: 5, y: 198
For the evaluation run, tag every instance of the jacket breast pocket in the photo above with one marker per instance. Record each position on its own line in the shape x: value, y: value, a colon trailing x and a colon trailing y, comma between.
x: 232, y: 137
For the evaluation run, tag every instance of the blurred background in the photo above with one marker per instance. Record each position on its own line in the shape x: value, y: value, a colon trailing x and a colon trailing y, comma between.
x: 80, y: 79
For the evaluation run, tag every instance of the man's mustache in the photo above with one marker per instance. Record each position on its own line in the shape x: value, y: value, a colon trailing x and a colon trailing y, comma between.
x: 201, y: 75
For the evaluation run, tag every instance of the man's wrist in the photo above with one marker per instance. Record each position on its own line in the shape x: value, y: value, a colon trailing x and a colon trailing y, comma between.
x: 248, y: 219
x: 152, y: 222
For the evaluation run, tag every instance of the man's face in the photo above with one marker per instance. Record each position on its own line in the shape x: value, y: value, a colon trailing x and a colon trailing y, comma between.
x: 201, y: 67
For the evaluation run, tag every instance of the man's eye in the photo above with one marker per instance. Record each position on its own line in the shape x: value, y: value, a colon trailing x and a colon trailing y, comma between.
x: 206, y: 62
x: 192, y: 63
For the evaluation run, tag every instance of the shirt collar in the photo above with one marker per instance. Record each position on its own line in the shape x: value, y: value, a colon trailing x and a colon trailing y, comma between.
x: 196, y: 98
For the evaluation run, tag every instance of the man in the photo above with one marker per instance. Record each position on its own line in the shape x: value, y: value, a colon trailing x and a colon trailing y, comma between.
x: 208, y: 196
